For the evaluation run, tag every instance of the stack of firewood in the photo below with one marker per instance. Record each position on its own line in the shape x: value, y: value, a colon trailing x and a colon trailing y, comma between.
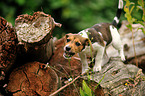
x: 32, y: 64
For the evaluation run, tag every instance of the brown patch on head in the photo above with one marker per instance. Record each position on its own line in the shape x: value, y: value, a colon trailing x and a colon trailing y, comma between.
x: 76, y: 42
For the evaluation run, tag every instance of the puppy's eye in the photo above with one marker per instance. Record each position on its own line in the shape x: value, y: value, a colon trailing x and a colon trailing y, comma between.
x: 78, y: 44
x: 67, y: 40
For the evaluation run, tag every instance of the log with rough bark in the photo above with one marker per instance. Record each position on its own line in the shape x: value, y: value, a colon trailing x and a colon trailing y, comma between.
x: 8, y: 43
x: 120, y: 79
x: 32, y: 79
x: 34, y: 35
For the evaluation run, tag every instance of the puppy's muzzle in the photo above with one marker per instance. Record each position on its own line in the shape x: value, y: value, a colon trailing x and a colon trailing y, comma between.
x: 67, y: 52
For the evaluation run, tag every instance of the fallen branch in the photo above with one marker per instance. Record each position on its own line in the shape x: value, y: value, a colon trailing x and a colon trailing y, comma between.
x: 54, y: 93
x: 65, y: 86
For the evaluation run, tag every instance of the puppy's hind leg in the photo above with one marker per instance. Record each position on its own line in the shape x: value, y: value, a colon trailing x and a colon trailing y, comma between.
x: 116, y: 42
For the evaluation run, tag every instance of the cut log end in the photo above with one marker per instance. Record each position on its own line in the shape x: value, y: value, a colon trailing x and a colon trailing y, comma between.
x: 36, y: 28
x: 31, y: 79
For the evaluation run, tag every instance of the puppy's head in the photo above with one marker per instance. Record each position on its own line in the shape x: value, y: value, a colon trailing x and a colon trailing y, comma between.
x: 74, y: 43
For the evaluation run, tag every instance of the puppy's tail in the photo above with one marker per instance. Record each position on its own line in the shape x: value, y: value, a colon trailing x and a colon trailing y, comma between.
x: 118, y: 14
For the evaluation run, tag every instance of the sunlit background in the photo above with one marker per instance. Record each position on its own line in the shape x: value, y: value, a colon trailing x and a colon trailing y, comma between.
x: 74, y: 15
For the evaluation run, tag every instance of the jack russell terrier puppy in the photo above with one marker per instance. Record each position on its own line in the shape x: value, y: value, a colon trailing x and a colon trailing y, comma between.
x: 93, y: 42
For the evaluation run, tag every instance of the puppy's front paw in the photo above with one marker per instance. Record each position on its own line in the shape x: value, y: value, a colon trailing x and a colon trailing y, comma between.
x: 85, y: 70
x: 97, y: 69
x: 123, y: 58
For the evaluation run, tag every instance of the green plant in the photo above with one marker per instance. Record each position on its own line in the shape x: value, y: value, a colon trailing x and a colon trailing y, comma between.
x: 129, y: 8
x: 86, y: 91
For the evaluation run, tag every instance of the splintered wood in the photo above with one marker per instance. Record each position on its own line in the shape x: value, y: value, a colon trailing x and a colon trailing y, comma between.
x: 32, y: 79
x: 36, y: 28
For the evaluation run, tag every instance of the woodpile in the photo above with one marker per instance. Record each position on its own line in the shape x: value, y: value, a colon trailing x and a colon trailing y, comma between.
x: 34, y: 63
x: 33, y: 43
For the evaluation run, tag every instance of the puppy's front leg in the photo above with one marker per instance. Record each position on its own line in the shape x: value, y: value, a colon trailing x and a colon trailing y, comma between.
x: 98, y: 59
x: 84, y: 62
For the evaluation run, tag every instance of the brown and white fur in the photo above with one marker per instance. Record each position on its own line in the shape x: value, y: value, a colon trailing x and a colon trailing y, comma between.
x: 93, y: 41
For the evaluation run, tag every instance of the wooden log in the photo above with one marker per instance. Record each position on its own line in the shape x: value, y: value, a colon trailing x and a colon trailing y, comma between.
x: 36, y: 29
x: 120, y: 79
x: 32, y: 79
x: 41, y: 53
x: 34, y: 36
x: 8, y: 43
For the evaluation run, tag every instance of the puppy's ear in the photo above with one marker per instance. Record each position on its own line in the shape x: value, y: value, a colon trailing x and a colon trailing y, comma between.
x: 89, y: 43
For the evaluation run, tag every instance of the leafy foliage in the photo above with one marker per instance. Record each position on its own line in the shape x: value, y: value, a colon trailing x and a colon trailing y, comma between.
x: 129, y: 8
x: 75, y: 15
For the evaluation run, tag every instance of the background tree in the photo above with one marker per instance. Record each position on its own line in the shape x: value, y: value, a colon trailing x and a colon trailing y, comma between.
x: 75, y: 15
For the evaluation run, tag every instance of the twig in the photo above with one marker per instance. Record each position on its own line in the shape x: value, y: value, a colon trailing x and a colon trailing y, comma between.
x: 65, y: 86
x: 136, y: 60
x: 54, y: 93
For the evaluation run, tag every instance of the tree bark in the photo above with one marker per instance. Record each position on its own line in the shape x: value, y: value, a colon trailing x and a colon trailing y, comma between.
x: 8, y: 43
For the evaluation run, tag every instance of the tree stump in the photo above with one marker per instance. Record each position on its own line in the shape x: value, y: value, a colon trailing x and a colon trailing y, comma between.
x: 8, y: 43
x: 34, y: 35
x: 32, y: 79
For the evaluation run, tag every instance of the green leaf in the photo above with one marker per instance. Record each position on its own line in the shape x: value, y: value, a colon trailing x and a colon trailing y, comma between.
x: 100, y: 81
x: 82, y: 92
x: 142, y: 30
x: 86, y: 89
x: 129, y: 26
x: 131, y: 9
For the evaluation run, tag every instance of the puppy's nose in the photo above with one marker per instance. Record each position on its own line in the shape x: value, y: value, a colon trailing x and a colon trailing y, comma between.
x: 68, y: 48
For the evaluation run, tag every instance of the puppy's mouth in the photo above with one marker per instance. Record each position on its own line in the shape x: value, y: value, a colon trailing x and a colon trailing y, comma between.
x: 68, y: 55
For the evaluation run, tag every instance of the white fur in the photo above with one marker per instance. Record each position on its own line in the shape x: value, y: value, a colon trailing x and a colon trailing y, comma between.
x: 116, y: 42
x: 120, y: 6
x: 100, y: 34
x: 98, y: 52
x: 83, y: 33
x: 116, y: 19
